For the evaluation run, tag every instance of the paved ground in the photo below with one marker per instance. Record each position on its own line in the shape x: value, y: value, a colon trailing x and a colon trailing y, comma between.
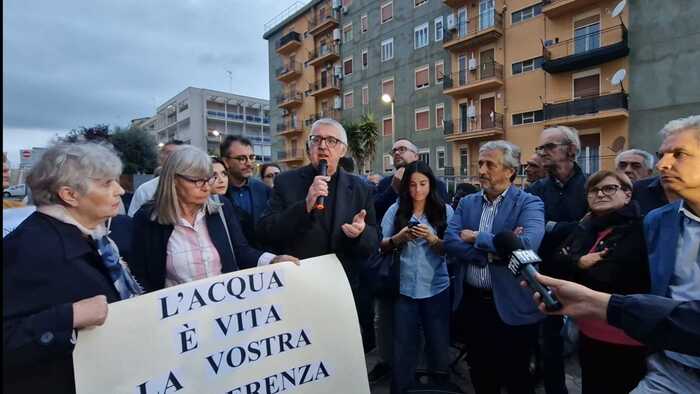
x: 461, y: 376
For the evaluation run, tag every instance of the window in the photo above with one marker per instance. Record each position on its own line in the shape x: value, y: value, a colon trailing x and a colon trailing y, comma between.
x: 347, y: 66
x: 439, y: 71
x: 388, y: 87
x: 422, y: 77
x: 440, y: 152
x: 346, y: 3
x: 388, y: 49
x: 438, y: 28
x: 440, y: 115
x: 348, y: 102
x: 347, y: 32
x: 422, y: 119
x: 363, y: 24
x: 387, y: 11
x: 388, y: 163
x: 365, y: 95
x: 424, y: 156
x: 527, y: 117
x: 588, y: 86
x: 587, y: 34
x: 418, y: 3
x: 420, y: 36
x: 387, y: 125
x: 365, y: 59
x: 527, y: 65
x: 526, y: 13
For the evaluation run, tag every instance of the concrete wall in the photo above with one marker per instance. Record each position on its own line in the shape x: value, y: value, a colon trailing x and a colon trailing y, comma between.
x: 664, y: 66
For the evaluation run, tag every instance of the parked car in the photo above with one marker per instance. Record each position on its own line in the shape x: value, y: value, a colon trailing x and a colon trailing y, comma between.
x: 15, y: 191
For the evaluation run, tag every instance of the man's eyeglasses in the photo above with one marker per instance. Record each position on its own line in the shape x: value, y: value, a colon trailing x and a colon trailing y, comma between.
x: 199, y: 182
x: 331, y: 142
x: 549, y: 146
x: 607, y: 190
x: 635, y: 165
x: 243, y: 158
x: 400, y: 150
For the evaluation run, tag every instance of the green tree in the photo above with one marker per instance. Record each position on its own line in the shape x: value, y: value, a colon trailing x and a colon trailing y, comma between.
x: 362, y: 139
x: 137, y: 149
x: 98, y: 132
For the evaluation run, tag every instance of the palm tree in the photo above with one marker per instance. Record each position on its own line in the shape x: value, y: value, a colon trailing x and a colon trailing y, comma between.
x: 362, y: 139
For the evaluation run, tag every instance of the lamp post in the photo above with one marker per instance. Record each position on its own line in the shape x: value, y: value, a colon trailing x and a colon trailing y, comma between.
x: 217, y: 133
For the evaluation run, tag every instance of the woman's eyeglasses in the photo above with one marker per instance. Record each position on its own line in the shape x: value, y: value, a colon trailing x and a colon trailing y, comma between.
x: 199, y: 182
x: 607, y: 190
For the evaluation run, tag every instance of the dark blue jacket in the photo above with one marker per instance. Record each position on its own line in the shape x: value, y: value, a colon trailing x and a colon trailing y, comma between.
x: 150, y: 242
x: 384, y: 196
x: 649, y: 194
x: 47, y: 266
x: 120, y: 231
x: 260, y: 194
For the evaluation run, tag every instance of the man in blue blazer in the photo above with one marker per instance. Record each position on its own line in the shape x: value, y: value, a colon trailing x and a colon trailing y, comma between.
x: 249, y: 195
x: 672, y: 234
x: 502, y: 320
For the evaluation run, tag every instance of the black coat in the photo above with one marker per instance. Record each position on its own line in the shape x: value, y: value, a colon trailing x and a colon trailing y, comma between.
x: 649, y: 194
x: 47, y: 266
x: 259, y: 193
x: 150, y: 243
x: 286, y: 222
x: 624, y: 269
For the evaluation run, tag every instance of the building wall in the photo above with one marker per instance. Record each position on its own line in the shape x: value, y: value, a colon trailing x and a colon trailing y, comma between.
x: 664, y: 63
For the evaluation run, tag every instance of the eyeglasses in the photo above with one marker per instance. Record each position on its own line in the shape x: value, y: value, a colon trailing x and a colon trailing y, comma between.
x: 549, y: 146
x: 607, y: 190
x: 199, y: 182
x: 401, y: 150
x: 271, y: 175
x: 635, y: 165
x: 331, y: 142
x: 243, y: 158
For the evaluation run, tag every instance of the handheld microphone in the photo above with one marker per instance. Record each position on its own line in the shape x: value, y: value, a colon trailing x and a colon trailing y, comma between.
x: 323, y: 169
x: 521, y: 263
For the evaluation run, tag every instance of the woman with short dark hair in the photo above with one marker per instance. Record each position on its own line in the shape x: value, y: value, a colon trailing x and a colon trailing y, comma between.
x: 268, y: 173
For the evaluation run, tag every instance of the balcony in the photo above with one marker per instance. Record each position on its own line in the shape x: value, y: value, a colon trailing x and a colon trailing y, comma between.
x: 333, y: 114
x: 288, y: 72
x: 455, y: 3
x: 554, y: 8
x: 587, y: 110
x: 290, y: 155
x: 486, y: 77
x: 289, y: 126
x: 320, y: 24
x: 289, y: 43
x: 586, y: 50
x: 475, y: 31
x: 474, y: 129
x: 325, y: 87
x: 289, y: 100
x: 324, y: 54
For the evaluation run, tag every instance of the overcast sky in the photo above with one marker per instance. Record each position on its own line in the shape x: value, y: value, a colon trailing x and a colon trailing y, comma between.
x: 73, y: 63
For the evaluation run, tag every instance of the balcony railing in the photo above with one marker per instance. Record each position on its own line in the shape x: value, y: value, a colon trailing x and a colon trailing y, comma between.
x: 290, y: 38
x: 476, y: 124
x: 239, y: 117
x: 475, y: 30
x: 464, y: 78
x: 288, y: 97
x: 288, y: 124
x: 333, y: 114
x: 328, y: 52
x: 288, y: 70
x: 586, y: 50
x: 585, y: 106
x: 320, y: 23
x: 290, y: 155
x: 328, y: 84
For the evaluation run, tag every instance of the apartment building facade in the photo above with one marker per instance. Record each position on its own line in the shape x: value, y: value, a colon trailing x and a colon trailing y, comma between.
x: 204, y: 117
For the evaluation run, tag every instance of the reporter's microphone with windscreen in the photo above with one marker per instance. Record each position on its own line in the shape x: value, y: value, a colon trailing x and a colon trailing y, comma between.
x: 521, y: 263
x: 323, y: 170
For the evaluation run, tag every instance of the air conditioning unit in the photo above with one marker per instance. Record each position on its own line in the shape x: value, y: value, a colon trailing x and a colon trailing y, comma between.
x: 337, y: 4
x: 548, y: 43
x: 471, y: 111
x: 472, y: 63
x: 336, y: 34
x: 338, y: 71
x: 337, y: 103
x: 344, y: 10
x: 451, y: 22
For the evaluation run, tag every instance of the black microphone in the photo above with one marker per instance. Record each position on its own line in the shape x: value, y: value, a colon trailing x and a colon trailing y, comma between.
x: 323, y: 170
x: 521, y: 263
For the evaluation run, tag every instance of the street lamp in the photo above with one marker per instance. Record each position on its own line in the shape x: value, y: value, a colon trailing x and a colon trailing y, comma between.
x: 160, y: 145
x: 217, y: 133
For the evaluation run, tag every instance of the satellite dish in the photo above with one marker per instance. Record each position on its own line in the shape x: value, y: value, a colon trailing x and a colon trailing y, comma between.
x: 618, y: 144
x: 619, y: 75
x: 618, y: 9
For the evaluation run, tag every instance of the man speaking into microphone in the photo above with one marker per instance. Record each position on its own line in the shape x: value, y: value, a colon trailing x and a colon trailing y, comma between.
x: 501, y: 321
x: 320, y: 209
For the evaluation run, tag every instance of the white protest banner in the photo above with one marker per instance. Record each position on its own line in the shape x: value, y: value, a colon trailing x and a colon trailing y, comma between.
x: 263, y: 330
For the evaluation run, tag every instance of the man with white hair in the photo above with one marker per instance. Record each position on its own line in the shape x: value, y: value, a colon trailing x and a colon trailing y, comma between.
x: 564, y: 195
x: 635, y: 163
x: 346, y: 225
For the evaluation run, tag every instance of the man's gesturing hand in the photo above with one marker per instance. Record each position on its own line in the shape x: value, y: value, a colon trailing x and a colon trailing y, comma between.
x: 318, y: 188
x: 354, y: 229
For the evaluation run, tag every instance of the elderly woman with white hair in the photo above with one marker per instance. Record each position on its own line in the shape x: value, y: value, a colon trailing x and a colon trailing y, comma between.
x: 60, y: 270
x: 184, y: 235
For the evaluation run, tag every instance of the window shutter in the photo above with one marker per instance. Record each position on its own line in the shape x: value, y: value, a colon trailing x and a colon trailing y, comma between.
x: 388, y: 126
x: 422, y: 78
x: 587, y: 86
x: 422, y: 121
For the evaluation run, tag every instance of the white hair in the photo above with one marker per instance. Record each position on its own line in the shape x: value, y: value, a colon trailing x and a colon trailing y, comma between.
x: 648, y: 157
x: 333, y: 123
x: 676, y: 126
x: 570, y: 135
x: 410, y: 144
x: 511, y: 152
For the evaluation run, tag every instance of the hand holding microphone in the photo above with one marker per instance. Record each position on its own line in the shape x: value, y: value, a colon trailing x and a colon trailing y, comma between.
x: 521, y: 263
x: 315, y: 198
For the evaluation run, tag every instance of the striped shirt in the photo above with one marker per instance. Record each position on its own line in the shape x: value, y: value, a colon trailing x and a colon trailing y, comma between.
x: 191, y: 254
x: 479, y: 276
